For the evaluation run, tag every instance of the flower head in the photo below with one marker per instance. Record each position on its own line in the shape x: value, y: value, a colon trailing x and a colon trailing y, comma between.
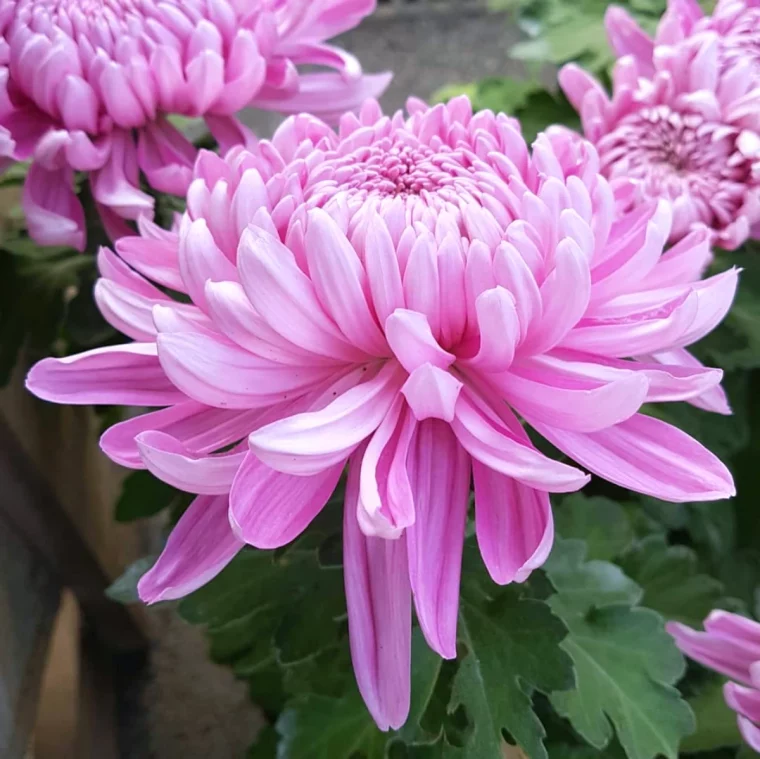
x: 87, y: 85
x: 683, y: 122
x: 390, y: 297
x: 730, y: 645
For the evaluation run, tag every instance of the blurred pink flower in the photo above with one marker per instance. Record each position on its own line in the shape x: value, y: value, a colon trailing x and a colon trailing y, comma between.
x: 683, y: 122
x: 88, y: 87
x: 391, y: 297
x: 730, y: 645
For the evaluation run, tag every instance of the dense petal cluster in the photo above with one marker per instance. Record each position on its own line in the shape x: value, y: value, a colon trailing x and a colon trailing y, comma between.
x: 87, y: 85
x: 683, y: 121
x: 400, y: 297
x: 730, y: 645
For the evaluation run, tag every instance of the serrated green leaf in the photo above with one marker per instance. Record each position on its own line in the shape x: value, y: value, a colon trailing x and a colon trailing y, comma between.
x: 143, y: 495
x: 124, y: 589
x: 625, y: 664
x: 716, y: 722
x: 512, y: 649
x: 672, y: 583
x: 584, y: 585
x: 601, y: 522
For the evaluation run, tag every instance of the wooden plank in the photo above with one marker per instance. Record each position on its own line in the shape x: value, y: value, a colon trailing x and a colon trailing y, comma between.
x: 29, y: 505
x: 29, y: 598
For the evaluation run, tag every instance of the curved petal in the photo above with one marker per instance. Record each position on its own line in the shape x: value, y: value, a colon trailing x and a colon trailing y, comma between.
x: 648, y: 456
x: 124, y: 375
x: 513, y: 523
x: 628, y: 38
x: 310, y: 442
x: 219, y: 373
x: 379, y: 614
x: 411, y: 340
x: 200, y: 428
x: 172, y: 462
x: 54, y: 215
x: 199, y: 547
x: 439, y: 470
x: 268, y: 509
x: 487, y: 439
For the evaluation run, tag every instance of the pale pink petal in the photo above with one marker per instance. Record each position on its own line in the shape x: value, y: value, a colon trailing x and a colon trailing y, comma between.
x: 311, y: 442
x: 379, y: 614
x: 440, y: 475
x: 53, y: 212
x: 166, y: 157
x: 269, y: 509
x: 628, y: 38
x: 201, y: 429
x: 499, y: 328
x: 382, y: 267
x: 648, y: 456
x: 199, y: 547
x: 410, y: 338
x: 487, y: 439
x: 432, y: 393
x: 513, y: 523
x: 170, y: 460
x: 219, y: 373
x: 128, y: 375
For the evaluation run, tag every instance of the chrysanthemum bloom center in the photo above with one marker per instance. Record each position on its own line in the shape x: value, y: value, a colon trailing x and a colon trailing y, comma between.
x: 684, y: 157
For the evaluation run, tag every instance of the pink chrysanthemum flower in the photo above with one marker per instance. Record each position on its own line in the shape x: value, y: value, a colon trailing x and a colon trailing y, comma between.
x: 682, y: 124
x: 730, y: 645
x: 87, y: 86
x: 391, y: 297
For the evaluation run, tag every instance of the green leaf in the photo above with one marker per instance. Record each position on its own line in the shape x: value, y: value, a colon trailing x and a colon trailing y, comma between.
x: 716, y: 721
x: 512, y: 649
x: 143, y: 495
x: 672, y: 583
x: 602, y: 522
x: 319, y: 727
x: 124, y: 589
x: 624, y: 660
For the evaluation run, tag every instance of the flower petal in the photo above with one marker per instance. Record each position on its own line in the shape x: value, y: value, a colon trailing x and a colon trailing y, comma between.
x: 648, y: 456
x: 269, y: 509
x: 379, y: 614
x: 125, y: 375
x: 440, y: 475
x: 199, y: 547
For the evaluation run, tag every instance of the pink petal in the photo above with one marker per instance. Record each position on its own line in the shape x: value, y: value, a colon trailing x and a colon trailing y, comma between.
x: 513, y: 523
x: 53, y: 212
x: 678, y: 376
x: 166, y: 157
x: 170, y: 460
x: 340, y: 283
x: 156, y: 259
x: 285, y: 297
x: 379, y: 614
x: 627, y: 38
x: 128, y: 311
x: 499, y: 328
x: 432, y: 393
x: 745, y: 701
x: 440, y: 475
x: 488, y: 440
x: 542, y: 394
x: 386, y: 498
x: 201, y: 429
x: 310, y: 442
x: 269, y: 509
x: 383, y: 274
x: 410, y: 338
x: 124, y: 375
x: 648, y: 456
x: 199, y: 547
x: 219, y: 373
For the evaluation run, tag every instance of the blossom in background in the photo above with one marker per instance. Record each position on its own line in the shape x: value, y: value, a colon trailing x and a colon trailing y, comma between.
x: 683, y: 122
x: 390, y: 298
x: 730, y: 645
x: 88, y: 87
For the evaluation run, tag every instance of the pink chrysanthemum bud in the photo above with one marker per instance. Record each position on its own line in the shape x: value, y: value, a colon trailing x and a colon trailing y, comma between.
x: 392, y: 297
x: 683, y: 122
x: 730, y: 645
x: 87, y: 86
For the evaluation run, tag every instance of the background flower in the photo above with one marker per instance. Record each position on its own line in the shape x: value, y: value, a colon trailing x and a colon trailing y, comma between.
x: 730, y: 645
x: 683, y: 122
x: 388, y: 297
x: 89, y: 89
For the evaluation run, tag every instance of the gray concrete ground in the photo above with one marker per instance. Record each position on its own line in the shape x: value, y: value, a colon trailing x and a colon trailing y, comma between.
x: 193, y: 709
